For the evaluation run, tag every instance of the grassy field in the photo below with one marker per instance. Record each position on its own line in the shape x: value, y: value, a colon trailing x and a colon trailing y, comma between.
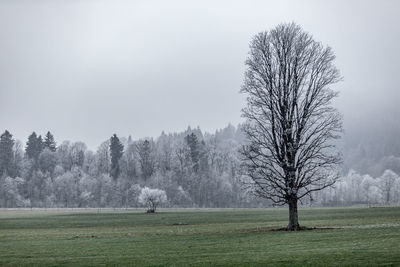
x: 357, y: 236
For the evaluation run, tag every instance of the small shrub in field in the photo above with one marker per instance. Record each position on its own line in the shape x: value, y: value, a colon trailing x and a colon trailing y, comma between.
x: 151, y: 198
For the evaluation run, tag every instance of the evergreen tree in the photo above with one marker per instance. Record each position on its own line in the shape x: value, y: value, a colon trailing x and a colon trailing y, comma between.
x: 193, y: 144
x: 34, y: 146
x: 116, y: 151
x: 49, y: 142
x: 40, y: 145
x: 6, y: 153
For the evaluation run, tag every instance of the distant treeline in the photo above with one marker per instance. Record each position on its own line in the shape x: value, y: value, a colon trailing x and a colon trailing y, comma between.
x: 195, y: 169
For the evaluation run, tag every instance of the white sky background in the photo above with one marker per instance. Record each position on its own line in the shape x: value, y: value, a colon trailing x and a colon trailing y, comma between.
x: 87, y: 69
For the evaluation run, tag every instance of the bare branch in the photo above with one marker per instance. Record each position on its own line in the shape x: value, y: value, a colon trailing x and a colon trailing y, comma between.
x: 291, y: 124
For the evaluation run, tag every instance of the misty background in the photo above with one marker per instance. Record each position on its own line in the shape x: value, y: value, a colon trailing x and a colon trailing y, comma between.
x: 85, y: 70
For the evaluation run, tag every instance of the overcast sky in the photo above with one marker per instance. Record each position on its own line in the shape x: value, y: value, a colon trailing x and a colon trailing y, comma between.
x: 87, y: 69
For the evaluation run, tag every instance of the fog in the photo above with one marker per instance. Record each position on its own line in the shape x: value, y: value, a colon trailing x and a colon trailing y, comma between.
x: 87, y: 69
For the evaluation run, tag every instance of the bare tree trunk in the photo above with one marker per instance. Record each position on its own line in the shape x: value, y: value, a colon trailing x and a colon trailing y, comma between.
x: 293, y: 217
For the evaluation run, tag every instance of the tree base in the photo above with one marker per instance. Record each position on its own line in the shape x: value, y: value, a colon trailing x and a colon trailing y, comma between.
x: 295, y: 227
x: 299, y: 228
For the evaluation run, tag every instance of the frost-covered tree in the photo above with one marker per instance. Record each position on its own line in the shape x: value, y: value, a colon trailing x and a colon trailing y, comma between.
x: 103, y: 158
x: 164, y: 152
x: 65, y: 190
x: 387, y: 184
x: 77, y: 153
x: 18, y: 159
x: 291, y: 123
x: 369, y: 189
x: 9, y: 193
x: 47, y: 161
x: 152, y: 198
x: 146, y: 158
x: 64, y: 155
x: 128, y: 162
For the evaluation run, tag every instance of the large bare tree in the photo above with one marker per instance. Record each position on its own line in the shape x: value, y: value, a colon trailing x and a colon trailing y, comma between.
x: 291, y: 123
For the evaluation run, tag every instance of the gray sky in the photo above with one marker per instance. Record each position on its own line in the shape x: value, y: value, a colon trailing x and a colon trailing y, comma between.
x: 87, y: 69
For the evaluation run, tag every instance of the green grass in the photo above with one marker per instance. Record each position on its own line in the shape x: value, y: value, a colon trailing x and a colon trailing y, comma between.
x: 361, y: 236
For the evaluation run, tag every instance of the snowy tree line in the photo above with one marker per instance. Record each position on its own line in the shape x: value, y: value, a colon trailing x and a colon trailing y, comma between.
x: 193, y: 168
x: 356, y: 189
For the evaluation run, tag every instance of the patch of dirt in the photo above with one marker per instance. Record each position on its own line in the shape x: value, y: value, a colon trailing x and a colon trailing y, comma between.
x: 84, y: 236
x: 304, y: 228
x: 284, y: 229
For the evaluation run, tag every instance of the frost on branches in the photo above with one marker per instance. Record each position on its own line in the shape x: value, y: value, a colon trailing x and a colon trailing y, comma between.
x: 152, y: 198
